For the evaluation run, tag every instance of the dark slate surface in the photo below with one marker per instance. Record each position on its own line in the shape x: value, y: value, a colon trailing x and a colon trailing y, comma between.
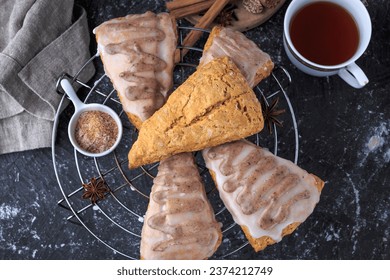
x: 344, y: 139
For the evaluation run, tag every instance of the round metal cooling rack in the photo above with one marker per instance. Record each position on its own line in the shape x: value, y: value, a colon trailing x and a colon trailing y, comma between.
x: 117, y: 220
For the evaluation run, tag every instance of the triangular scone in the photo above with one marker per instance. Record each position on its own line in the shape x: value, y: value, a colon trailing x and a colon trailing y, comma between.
x: 254, y: 64
x: 213, y: 106
x: 179, y: 223
x: 137, y: 52
x: 267, y: 196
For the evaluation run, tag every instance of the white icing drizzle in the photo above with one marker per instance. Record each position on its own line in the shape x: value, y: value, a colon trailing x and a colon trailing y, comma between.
x: 263, y: 192
x: 179, y: 223
x: 244, y: 53
x: 137, y: 51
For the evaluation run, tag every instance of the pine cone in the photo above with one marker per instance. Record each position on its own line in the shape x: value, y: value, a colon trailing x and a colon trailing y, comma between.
x: 253, y: 6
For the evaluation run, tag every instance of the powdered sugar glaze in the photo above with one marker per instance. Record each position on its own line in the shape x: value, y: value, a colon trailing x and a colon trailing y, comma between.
x: 179, y: 223
x: 263, y: 192
x: 137, y: 51
x: 244, y: 53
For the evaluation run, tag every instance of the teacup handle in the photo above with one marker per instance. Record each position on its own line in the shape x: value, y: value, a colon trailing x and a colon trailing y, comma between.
x: 353, y: 75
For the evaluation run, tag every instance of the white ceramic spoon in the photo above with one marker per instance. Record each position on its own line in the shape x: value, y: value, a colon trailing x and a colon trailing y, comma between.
x: 81, y: 107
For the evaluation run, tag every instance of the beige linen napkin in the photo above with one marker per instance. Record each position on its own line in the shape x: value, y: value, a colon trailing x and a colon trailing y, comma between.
x: 39, y: 39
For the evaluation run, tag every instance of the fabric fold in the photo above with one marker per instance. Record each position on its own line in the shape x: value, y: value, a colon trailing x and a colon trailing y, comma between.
x: 43, y: 42
x: 41, y: 79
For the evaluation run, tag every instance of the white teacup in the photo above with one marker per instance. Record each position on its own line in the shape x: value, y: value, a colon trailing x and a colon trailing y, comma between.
x: 348, y: 70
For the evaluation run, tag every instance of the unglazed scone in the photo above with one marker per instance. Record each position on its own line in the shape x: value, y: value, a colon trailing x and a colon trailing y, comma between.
x: 137, y: 52
x: 254, y: 64
x: 214, y: 105
x: 267, y: 196
x: 179, y: 222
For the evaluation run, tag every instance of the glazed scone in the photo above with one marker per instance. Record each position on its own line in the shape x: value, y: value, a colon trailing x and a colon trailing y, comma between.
x: 179, y: 222
x: 214, y: 105
x: 254, y: 64
x: 267, y: 196
x: 137, y: 52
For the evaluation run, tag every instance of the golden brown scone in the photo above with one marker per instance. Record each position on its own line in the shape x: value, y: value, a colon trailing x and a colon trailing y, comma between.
x: 269, y: 197
x: 254, y: 64
x: 137, y: 52
x: 179, y: 223
x: 213, y: 106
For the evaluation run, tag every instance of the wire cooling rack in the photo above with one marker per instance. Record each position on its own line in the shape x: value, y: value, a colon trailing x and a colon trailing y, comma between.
x: 117, y: 220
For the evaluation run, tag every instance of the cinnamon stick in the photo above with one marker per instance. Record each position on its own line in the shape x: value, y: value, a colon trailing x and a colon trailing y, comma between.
x: 192, y: 9
x: 204, y: 23
x: 177, y: 4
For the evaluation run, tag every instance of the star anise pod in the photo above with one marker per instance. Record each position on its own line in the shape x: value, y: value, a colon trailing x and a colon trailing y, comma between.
x: 95, y: 190
x: 271, y: 113
x: 227, y: 15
